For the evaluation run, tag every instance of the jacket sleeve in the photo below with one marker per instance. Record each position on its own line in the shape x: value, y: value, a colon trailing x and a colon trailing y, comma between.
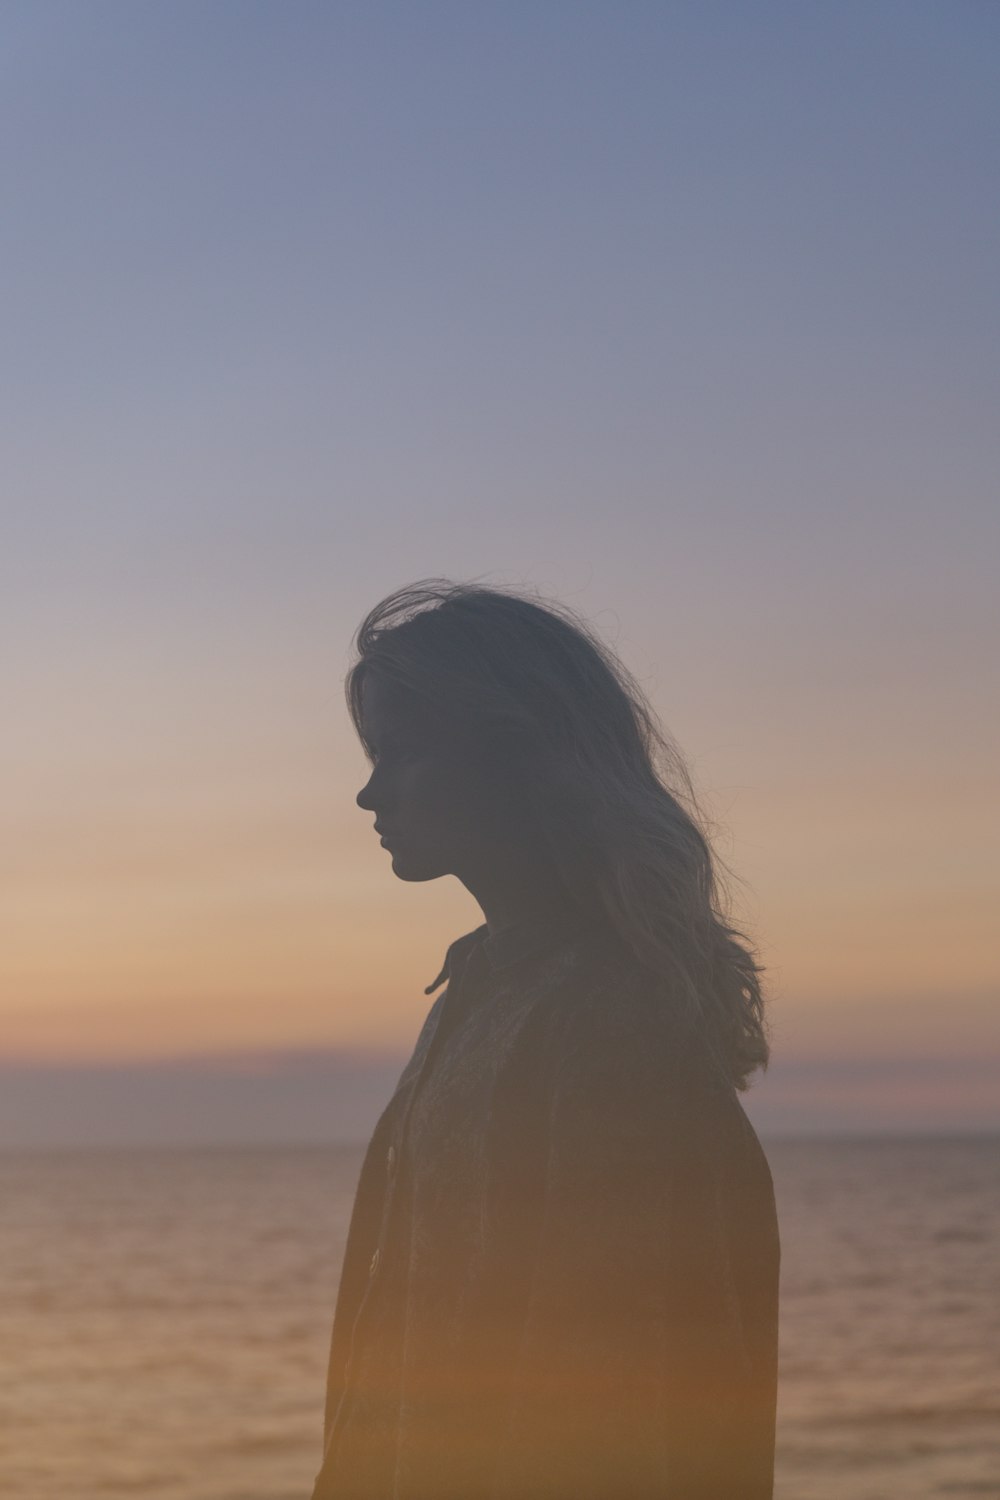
x: 646, y: 1353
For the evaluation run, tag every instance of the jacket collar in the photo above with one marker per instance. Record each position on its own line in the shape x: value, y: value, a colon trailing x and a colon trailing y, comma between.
x: 510, y: 945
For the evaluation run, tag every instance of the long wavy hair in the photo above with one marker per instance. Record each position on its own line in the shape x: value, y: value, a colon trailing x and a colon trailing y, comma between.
x: 531, y: 687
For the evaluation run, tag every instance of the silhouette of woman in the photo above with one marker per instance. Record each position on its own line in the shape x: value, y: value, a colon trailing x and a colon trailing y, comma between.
x: 561, y: 1274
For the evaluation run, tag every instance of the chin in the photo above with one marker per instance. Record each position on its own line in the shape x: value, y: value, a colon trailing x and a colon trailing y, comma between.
x: 412, y: 867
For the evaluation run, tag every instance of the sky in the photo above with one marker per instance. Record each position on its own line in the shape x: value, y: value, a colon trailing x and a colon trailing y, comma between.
x: 683, y: 314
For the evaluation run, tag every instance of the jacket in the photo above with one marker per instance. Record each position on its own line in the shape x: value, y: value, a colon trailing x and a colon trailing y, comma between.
x: 560, y: 1280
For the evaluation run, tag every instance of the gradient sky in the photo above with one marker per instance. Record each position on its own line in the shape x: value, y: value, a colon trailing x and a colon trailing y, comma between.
x: 684, y: 313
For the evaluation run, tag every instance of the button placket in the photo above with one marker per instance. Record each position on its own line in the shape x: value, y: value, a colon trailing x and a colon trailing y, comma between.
x: 391, y: 1158
x: 450, y: 1012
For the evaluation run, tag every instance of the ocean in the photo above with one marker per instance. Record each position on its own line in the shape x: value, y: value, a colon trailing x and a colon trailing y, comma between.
x: 168, y: 1313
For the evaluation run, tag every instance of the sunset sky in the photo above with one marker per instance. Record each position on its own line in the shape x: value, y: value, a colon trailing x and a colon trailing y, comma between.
x: 685, y: 314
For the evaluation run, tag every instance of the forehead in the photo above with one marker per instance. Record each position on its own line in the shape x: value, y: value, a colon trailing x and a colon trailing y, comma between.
x: 388, y: 710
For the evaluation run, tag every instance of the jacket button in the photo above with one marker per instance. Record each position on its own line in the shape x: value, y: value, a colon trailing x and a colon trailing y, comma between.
x: 390, y: 1160
x: 373, y: 1264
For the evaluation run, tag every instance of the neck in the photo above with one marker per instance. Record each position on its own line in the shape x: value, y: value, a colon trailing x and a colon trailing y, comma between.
x: 520, y: 887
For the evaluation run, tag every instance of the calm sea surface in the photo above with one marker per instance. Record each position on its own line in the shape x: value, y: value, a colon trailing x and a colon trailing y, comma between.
x: 167, y: 1317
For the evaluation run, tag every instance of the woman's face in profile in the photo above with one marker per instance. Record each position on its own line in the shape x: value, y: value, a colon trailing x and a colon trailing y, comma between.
x: 440, y: 809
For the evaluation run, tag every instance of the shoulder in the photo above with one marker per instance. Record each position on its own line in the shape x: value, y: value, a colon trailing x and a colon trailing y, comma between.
x: 607, y: 1034
x: 600, y: 1029
x: 607, y: 1075
x: 600, y: 1001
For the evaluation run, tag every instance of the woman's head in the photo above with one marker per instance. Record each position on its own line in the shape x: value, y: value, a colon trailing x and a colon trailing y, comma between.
x: 443, y: 804
x: 493, y: 719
